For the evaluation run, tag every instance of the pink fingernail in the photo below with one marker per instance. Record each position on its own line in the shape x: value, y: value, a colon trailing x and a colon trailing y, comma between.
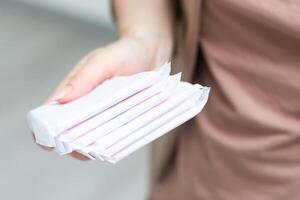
x: 61, y: 93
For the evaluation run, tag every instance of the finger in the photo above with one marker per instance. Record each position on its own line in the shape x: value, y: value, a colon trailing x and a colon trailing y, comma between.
x: 46, y: 148
x: 79, y: 156
x: 60, y: 91
x: 88, y: 77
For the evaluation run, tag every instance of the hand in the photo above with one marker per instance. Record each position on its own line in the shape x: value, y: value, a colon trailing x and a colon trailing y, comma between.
x: 128, y: 55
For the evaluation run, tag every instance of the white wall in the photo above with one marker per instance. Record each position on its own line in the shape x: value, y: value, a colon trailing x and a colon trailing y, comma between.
x: 96, y: 11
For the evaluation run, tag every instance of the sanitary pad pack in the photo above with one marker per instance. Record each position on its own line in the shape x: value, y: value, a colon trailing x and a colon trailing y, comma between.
x: 120, y: 116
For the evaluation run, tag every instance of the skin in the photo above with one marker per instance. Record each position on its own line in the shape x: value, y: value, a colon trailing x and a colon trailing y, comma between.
x: 145, y: 29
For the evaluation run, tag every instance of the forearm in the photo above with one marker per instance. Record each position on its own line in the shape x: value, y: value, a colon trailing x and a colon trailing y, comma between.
x: 150, y: 21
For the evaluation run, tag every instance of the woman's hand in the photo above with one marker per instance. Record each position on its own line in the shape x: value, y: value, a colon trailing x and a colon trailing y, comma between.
x: 128, y: 55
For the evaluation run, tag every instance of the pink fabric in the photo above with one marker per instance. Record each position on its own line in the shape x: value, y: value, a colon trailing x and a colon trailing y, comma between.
x: 245, y: 145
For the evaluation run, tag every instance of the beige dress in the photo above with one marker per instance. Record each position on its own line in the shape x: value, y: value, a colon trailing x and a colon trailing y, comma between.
x: 245, y: 144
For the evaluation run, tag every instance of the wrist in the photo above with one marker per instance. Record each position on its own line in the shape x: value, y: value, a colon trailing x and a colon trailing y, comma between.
x: 157, y: 44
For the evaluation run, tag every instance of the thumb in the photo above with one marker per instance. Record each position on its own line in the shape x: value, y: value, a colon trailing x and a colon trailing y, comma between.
x: 96, y: 67
x: 84, y: 81
x: 90, y: 73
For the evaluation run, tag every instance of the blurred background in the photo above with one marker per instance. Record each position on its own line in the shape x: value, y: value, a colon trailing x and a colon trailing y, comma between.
x: 40, y: 41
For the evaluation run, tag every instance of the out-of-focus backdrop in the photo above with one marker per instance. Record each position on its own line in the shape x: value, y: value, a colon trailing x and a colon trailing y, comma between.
x: 40, y: 41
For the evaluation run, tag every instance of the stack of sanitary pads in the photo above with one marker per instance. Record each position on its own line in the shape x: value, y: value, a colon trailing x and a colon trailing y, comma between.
x: 120, y: 116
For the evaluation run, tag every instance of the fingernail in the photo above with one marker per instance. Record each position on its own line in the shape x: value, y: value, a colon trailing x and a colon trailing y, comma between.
x: 61, y: 93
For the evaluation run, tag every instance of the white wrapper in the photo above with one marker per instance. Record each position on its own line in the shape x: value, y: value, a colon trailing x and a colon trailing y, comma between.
x: 182, y: 93
x: 147, y: 129
x: 112, y: 112
x: 120, y: 116
x: 62, y: 141
x: 127, y: 116
x: 147, y: 134
x: 52, y: 119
